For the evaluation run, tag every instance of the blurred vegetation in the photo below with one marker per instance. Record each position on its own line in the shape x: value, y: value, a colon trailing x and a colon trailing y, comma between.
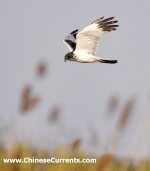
x: 107, y: 162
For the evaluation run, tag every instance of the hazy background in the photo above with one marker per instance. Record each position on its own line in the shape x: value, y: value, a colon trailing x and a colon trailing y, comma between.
x: 32, y: 31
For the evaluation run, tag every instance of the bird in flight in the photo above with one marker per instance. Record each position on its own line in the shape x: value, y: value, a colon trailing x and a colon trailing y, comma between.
x: 83, y: 44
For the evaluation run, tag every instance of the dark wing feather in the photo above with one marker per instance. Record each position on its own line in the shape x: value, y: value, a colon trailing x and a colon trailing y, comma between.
x: 107, y: 24
x: 70, y: 40
x: 74, y: 33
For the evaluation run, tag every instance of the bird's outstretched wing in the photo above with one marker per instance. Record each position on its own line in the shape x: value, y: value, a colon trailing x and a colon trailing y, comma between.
x: 70, y: 40
x: 88, y: 38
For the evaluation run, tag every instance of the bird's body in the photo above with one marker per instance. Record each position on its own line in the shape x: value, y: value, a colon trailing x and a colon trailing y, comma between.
x: 83, y: 44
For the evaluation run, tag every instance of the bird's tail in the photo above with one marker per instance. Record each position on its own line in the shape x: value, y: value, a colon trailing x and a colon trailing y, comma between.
x: 108, y: 61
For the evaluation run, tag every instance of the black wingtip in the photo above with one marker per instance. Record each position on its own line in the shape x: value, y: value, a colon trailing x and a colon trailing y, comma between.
x: 75, y: 31
x: 107, y: 24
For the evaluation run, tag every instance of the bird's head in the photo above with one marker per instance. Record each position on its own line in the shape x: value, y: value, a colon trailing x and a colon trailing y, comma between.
x: 69, y: 57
